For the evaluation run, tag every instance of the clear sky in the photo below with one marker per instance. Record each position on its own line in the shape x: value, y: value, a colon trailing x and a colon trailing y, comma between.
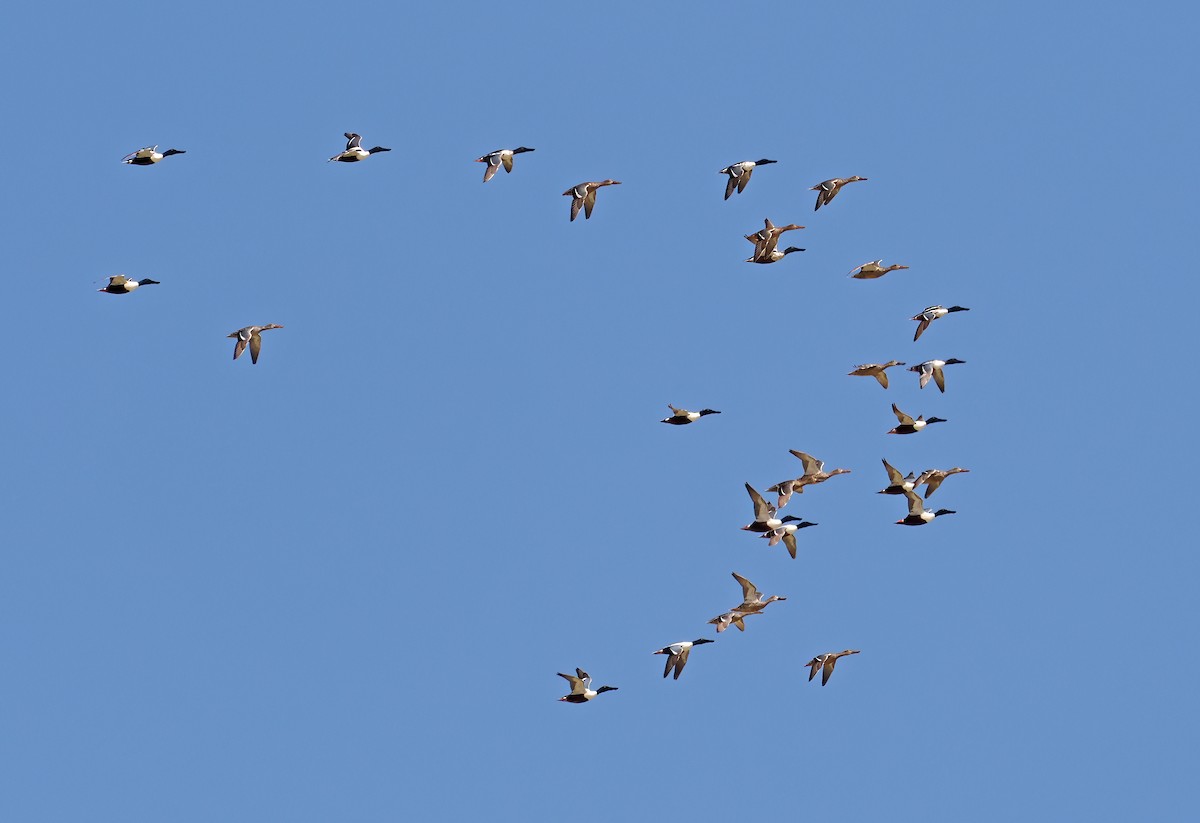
x: 337, y: 585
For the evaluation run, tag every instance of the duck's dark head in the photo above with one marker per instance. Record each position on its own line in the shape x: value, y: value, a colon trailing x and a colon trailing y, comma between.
x: 702, y: 640
x: 169, y: 152
x: 954, y: 308
x: 790, y: 519
x: 148, y: 283
x: 708, y: 411
x: 937, y: 420
x: 764, y: 162
x: 606, y: 689
x: 378, y: 149
x: 941, y: 512
x: 954, y: 360
x: 791, y: 249
x: 521, y: 150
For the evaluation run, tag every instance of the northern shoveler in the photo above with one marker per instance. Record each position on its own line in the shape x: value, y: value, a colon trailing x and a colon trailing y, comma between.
x: 583, y: 196
x: 739, y: 174
x: 498, y: 158
x: 828, y: 189
x: 250, y: 336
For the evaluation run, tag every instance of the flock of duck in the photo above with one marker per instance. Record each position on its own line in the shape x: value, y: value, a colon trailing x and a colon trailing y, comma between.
x: 767, y: 523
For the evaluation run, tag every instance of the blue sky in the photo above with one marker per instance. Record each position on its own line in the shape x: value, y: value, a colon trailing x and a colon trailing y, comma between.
x: 339, y: 583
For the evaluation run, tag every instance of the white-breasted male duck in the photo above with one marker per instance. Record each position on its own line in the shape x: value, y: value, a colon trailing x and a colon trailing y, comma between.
x: 583, y: 196
x: 677, y: 654
x: 825, y: 663
x: 932, y: 478
x: 739, y: 174
x: 828, y: 189
x: 766, y: 240
x: 250, y: 336
x: 910, y: 426
x: 148, y: 156
x: 498, y: 158
x: 681, y: 417
x: 773, y: 256
x: 897, y: 484
x: 733, y: 617
x: 918, y: 515
x: 764, y: 514
x: 876, y: 370
x: 933, y: 368
x: 354, y: 150
x: 814, y: 473
x: 874, y: 269
x: 929, y: 315
x: 581, y: 687
x: 752, y: 598
x: 120, y: 284
x: 787, y: 533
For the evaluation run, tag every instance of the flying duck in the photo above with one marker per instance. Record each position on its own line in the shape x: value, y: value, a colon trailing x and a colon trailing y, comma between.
x: 764, y: 514
x: 896, y: 483
x: 681, y: 417
x: 500, y: 157
x: 148, y: 156
x: 814, y: 473
x: 766, y: 239
x: 910, y: 426
x: 677, y: 655
x: 250, y: 335
x: 826, y: 662
x: 787, y: 533
x: 874, y: 269
x: 773, y: 256
x: 583, y: 196
x: 929, y: 315
x: 120, y: 284
x: 581, y: 687
x: 875, y: 370
x: 932, y: 478
x: 828, y: 190
x: 918, y: 515
x: 933, y: 368
x: 354, y: 150
x: 752, y: 598
x: 739, y: 174
x: 734, y: 617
